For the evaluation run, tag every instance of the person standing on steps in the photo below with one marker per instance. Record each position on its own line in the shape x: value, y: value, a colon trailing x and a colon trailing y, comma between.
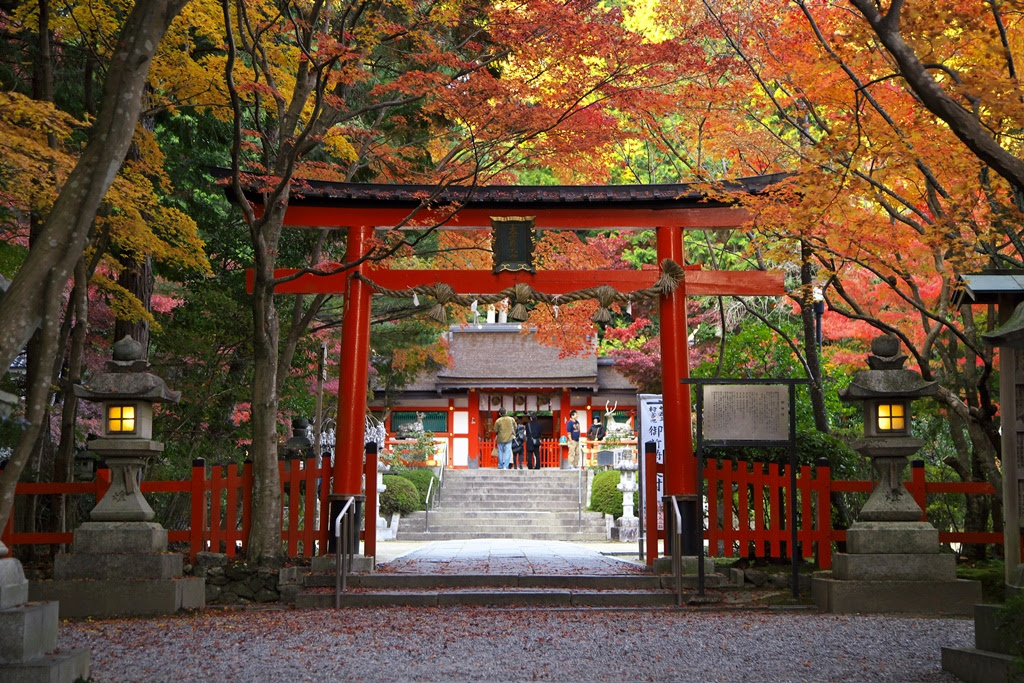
x: 533, y: 443
x: 504, y: 431
x: 518, y: 446
x: 572, y: 428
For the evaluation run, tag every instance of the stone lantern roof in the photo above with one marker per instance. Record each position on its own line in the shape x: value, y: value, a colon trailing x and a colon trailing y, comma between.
x: 127, y: 377
x: 887, y: 377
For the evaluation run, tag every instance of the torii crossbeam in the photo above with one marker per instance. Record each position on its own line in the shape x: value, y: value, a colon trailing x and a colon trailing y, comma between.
x: 668, y: 209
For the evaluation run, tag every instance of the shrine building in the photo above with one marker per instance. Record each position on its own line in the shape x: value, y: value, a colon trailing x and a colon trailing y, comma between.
x: 500, y: 366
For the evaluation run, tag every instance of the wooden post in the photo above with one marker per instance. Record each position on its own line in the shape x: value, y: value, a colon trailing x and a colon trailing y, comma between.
x: 198, y: 534
x: 824, y: 488
x: 680, y: 464
x: 354, y: 372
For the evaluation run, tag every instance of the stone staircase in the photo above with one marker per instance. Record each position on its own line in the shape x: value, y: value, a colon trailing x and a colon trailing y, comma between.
x: 489, y: 503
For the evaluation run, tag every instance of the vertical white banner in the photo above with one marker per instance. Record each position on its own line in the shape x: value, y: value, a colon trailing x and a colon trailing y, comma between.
x: 651, y: 427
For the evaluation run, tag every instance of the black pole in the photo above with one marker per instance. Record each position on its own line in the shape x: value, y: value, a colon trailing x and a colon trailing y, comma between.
x: 699, y: 512
x: 794, y: 548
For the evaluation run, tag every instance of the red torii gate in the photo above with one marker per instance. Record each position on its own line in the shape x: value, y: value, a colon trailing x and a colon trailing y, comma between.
x: 668, y: 209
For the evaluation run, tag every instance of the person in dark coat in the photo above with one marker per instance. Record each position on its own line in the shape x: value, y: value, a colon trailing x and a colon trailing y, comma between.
x: 533, y: 443
x: 518, y: 445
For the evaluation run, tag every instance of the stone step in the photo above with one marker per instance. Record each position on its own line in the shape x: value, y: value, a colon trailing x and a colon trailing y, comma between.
x: 532, y: 535
x: 509, y: 485
x: 497, y: 490
x: 555, y: 598
x: 524, y: 515
x: 480, y: 529
x: 506, y: 503
x: 504, y: 523
x: 646, y: 581
x: 434, y: 590
x: 528, y: 504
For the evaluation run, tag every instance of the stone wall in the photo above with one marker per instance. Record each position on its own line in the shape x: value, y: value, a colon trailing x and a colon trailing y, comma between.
x: 242, y: 583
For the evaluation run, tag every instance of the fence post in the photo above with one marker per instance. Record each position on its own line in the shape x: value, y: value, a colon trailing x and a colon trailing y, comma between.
x: 102, y: 481
x: 247, y: 485
x: 823, y: 480
x: 916, y: 486
x: 370, y: 506
x: 197, y: 533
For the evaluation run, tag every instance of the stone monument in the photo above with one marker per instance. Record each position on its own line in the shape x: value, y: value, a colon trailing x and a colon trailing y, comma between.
x: 893, y: 562
x: 119, y: 564
x: 28, y: 630
x: 627, y: 527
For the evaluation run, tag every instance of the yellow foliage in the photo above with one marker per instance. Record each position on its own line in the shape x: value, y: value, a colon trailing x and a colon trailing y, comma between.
x: 123, y: 303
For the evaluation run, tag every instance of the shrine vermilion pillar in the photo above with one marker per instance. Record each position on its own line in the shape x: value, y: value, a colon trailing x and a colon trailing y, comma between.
x: 680, y: 468
x: 353, y: 372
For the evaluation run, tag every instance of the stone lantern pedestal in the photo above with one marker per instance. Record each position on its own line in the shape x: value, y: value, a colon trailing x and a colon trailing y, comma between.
x: 29, y: 630
x: 119, y: 564
x: 893, y: 562
x: 627, y: 527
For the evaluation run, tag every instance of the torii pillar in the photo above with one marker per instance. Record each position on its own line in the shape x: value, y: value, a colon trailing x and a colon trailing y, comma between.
x: 354, y: 371
x: 680, y: 462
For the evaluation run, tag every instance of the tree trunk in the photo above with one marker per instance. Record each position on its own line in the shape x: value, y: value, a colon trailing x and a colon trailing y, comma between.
x: 66, y: 231
x: 264, y: 545
x: 810, y: 340
x: 36, y: 403
x: 41, y: 279
x: 137, y: 278
x: 63, y: 465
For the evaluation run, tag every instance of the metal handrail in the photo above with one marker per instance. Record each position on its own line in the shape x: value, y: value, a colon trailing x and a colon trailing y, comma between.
x: 344, y: 529
x: 579, y: 500
x: 426, y: 511
x: 676, y: 540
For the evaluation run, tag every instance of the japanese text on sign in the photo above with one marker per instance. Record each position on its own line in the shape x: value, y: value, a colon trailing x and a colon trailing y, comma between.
x: 746, y: 412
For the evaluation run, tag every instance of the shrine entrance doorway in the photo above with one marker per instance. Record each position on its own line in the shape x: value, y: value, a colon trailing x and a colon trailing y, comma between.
x: 667, y: 209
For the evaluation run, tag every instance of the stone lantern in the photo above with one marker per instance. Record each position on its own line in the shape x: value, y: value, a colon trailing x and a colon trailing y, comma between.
x: 887, y: 390
x: 893, y: 561
x: 127, y: 392
x: 119, y: 563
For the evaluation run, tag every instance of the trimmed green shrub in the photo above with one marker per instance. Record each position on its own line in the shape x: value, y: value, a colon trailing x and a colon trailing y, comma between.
x: 421, y: 478
x: 604, y: 497
x: 400, y: 496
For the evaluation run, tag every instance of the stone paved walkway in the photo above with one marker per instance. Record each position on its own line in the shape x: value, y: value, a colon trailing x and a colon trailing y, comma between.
x: 504, y: 556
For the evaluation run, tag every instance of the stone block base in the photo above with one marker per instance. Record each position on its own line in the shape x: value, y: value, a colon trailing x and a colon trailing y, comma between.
x: 894, y: 597
x: 58, y: 667
x: 902, y: 567
x: 980, y: 666
x: 892, y: 537
x: 361, y: 564
x: 989, y: 661
x: 114, y: 598
x: 76, y: 566
x: 120, y: 537
x: 626, y: 530
x: 663, y: 565
x: 28, y: 631
x: 13, y: 585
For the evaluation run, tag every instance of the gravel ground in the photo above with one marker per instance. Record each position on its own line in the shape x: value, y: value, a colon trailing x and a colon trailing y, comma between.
x: 479, y: 644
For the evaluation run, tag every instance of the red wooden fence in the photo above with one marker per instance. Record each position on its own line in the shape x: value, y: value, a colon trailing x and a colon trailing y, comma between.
x: 550, y: 453
x: 220, y: 507
x: 747, y: 509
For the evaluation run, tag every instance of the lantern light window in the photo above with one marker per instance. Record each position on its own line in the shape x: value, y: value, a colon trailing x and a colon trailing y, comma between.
x: 891, y: 417
x: 121, y: 419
